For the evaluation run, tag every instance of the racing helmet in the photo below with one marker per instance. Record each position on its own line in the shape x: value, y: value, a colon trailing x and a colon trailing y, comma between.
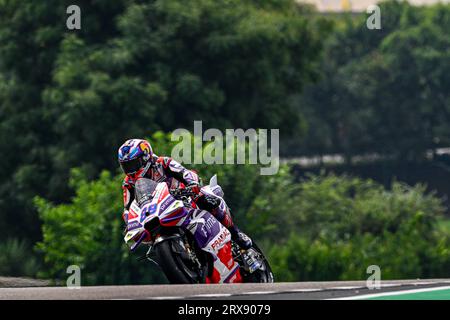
x: 134, y: 155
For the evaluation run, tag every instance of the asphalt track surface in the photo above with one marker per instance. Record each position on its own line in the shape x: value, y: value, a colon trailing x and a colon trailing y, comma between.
x: 273, y: 291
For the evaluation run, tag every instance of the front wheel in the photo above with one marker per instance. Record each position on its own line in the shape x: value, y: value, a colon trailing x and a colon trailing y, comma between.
x: 180, y: 263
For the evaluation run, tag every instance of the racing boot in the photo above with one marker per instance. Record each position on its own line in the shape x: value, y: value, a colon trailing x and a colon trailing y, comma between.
x: 240, y: 238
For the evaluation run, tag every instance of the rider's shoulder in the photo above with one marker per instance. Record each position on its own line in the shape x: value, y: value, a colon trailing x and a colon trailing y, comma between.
x: 164, y: 161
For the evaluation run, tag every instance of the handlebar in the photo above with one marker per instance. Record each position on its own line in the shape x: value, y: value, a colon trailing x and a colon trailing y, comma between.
x: 183, y: 192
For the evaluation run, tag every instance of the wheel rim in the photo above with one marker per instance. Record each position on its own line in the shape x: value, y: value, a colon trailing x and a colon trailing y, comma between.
x: 184, y: 262
x: 261, y: 276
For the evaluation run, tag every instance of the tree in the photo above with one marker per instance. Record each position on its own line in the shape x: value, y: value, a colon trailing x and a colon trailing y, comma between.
x: 70, y: 98
x: 30, y: 37
x: 334, y: 227
x: 383, y: 91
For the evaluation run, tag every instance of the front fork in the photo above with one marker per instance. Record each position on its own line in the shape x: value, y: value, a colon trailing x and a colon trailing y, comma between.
x: 159, y: 239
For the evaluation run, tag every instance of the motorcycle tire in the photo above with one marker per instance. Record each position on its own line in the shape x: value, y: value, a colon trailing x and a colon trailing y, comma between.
x: 170, y: 255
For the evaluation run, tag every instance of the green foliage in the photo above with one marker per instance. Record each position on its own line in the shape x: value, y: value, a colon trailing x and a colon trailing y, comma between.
x: 333, y: 228
x: 30, y: 37
x: 444, y: 224
x: 324, y: 228
x: 18, y: 259
x: 383, y: 91
x: 69, y: 99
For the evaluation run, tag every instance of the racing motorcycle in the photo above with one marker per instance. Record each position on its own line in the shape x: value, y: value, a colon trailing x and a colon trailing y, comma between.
x: 190, y: 246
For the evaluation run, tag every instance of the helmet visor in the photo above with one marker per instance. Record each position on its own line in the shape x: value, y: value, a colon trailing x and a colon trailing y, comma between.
x: 131, y: 166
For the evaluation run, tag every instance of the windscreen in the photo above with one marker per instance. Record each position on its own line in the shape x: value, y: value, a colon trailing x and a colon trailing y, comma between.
x: 144, y: 188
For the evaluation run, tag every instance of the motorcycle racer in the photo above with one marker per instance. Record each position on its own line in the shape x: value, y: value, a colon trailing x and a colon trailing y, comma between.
x: 137, y: 160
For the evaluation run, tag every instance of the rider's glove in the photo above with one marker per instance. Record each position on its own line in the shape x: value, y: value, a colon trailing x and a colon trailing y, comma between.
x: 194, y: 187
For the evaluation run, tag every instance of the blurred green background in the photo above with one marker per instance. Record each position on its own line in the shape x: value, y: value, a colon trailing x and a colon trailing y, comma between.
x: 378, y: 100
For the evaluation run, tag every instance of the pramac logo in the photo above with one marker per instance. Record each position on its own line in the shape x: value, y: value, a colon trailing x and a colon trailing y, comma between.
x: 221, y: 239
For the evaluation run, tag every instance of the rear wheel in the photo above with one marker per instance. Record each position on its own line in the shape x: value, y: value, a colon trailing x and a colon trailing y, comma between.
x: 262, y: 275
x: 180, y: 262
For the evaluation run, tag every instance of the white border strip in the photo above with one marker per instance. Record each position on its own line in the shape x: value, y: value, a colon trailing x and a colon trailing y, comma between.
x: 392, y: 293
x: 210, y: 295
x: 303, y: 290
x: 258, y: 292
x: 166, y: 298
x: 347, y: 288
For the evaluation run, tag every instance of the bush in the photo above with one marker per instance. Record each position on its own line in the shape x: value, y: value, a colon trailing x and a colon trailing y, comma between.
x: 334, y: 227
x: 17, y: 259
x: 323, y: 228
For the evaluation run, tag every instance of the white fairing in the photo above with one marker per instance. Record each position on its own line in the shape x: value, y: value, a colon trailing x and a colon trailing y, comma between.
x: 213, y: 188
x: 138, y: 217
x: 213, y: 181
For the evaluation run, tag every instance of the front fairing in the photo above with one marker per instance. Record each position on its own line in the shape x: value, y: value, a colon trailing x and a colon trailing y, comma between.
x: 161, y: 205
x: 171, y: 212
x: 134, y: 225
